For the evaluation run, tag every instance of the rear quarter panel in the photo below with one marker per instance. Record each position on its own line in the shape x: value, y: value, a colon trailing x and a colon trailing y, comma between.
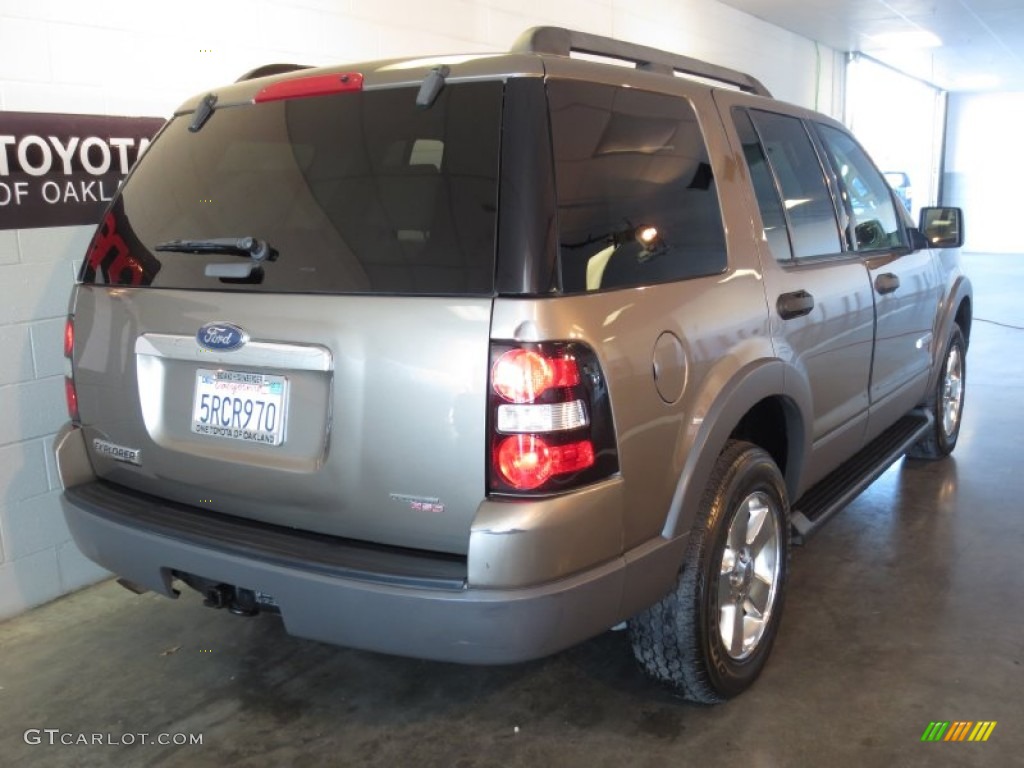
x: 721, y: 322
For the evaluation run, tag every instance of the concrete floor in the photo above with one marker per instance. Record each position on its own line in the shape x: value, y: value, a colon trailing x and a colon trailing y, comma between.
x: 904, y: 610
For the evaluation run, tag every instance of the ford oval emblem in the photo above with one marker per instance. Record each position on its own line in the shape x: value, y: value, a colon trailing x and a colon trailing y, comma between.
x: 221, y: 337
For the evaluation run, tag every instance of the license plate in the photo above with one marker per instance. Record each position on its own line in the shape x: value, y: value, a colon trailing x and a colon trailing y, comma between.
x: 240, y: 406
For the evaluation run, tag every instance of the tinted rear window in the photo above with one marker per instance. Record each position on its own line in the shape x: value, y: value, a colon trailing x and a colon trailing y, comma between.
x: 357, y: 193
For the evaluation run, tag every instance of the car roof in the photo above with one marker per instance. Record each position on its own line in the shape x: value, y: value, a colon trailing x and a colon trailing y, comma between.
x: 526, y: 58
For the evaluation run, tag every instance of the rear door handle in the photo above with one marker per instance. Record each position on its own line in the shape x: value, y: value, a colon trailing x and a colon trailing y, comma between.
x: 795, y: 304
x: 887, y: 283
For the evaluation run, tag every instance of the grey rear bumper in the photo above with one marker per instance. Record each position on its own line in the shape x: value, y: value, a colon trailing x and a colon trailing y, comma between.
x: 419, y: 610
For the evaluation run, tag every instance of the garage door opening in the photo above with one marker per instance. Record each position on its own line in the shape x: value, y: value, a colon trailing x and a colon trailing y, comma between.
x: 900, y: 120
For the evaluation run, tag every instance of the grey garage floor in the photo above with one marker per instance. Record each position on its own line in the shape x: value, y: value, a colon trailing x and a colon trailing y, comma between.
x: 907, y: 609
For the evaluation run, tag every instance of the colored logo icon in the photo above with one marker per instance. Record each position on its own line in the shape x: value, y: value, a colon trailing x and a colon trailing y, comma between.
x: 221, y: 337
x: 959, y: 730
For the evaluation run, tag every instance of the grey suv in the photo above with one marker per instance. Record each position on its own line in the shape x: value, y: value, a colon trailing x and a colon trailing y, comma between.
x: 472, y: 358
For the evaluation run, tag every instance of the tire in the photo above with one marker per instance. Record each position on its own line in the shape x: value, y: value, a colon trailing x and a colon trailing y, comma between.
x: 688, y: 638
x: 946, y: 402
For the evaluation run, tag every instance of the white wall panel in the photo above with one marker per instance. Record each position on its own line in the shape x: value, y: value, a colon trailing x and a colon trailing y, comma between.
x: 16, y: 354
x: 28, y: 581
x: 8, y: 247
x: 25, y: 46
x: 22, y: 471
x: 33, y: 525
x: 47, y: 337
x: 32, y: 409
x: 148, y: 57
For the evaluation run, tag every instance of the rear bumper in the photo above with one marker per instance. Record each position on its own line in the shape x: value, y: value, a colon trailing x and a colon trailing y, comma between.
x: 419, y: 609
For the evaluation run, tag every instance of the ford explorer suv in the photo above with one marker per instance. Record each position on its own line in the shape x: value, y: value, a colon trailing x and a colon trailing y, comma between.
x: 472, y: 358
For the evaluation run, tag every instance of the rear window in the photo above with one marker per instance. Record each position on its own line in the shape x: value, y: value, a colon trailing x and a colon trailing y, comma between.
x: 354, y: 192
x: 637, y: 199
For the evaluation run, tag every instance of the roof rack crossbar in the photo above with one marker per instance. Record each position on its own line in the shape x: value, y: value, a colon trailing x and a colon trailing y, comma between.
x: 560, y: 41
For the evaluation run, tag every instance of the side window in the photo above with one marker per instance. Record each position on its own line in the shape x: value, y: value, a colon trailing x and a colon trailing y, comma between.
x: 873, y: 213
x: 801, y: 181
x: 637, y: 201
x: 773, y: 216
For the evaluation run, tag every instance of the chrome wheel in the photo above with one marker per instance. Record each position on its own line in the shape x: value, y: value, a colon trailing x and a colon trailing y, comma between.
x: 952, y: 391
x: 749, y: 575
x: 711, y: 636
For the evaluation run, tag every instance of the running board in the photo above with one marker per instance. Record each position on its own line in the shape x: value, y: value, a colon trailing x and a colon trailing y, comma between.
x: 831, y: 494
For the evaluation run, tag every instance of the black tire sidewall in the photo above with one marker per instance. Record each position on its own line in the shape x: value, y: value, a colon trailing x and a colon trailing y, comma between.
x: 946, y: 443
x: 752, y: 471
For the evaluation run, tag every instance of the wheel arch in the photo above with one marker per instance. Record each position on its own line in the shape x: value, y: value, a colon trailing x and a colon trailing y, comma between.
x: 753, y: 406
x: 963, y: 317
x: 957, y: 307
x: 775, y: 424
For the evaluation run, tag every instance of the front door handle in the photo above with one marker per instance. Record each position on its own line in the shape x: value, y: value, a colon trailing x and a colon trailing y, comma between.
x: 886, y: 283
x: 795, y: 304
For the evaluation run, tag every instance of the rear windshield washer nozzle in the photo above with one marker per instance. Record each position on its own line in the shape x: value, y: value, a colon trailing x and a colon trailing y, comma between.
x: 203, y: 112
x: 432, y: 86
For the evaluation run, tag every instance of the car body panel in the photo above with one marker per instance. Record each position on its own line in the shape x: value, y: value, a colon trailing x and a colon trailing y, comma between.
x: 370, y: 444
x: 904, y: 335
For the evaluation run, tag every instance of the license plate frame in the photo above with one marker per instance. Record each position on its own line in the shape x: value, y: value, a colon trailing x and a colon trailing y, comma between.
x: 245, y: 406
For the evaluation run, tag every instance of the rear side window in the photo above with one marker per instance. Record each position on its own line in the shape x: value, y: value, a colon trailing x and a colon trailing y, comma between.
x: 354, y: 192
x: 773, y: 216
x: 637, y: 201
x: 801, y: 181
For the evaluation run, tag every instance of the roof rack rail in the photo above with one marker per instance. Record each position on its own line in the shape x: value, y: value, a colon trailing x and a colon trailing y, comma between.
x: 271, y: 69
x: 560, y: 41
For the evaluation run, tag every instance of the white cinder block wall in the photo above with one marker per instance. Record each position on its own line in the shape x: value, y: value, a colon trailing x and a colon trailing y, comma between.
x: 142, y: 57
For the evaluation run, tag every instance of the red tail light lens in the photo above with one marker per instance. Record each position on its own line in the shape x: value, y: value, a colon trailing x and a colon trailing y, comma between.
x: 70, y: 393
x: 550, y: 419
x: 316, y: 85
x: 69, y: 337
x: 523, y: 376
x: 526, y: 462
x: 71, y: 396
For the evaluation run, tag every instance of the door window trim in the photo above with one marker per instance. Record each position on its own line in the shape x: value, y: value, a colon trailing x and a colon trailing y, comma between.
x: 841, y: 197
x: 825, y: 169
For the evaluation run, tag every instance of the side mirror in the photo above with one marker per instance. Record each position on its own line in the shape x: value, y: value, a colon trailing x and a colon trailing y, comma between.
x: 943, y: 227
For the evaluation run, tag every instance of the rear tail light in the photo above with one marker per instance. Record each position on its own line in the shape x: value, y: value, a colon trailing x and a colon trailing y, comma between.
x: 69, y: 337
x: 70, y: 393
x: 527, y: 462
x: 71, y: 396
x: 522, y: 375
x: 314, y: 85
x: 550, y: 419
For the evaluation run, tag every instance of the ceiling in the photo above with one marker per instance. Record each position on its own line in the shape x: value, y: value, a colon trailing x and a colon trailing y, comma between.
x: 979, y: 46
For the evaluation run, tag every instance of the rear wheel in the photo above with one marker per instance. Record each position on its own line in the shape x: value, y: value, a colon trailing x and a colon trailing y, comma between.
x: 710, y: 637
x: 946, y: 402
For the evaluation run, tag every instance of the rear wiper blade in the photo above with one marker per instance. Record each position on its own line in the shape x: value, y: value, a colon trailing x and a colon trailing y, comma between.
x: 255, y: 249
x: 252, y: 247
